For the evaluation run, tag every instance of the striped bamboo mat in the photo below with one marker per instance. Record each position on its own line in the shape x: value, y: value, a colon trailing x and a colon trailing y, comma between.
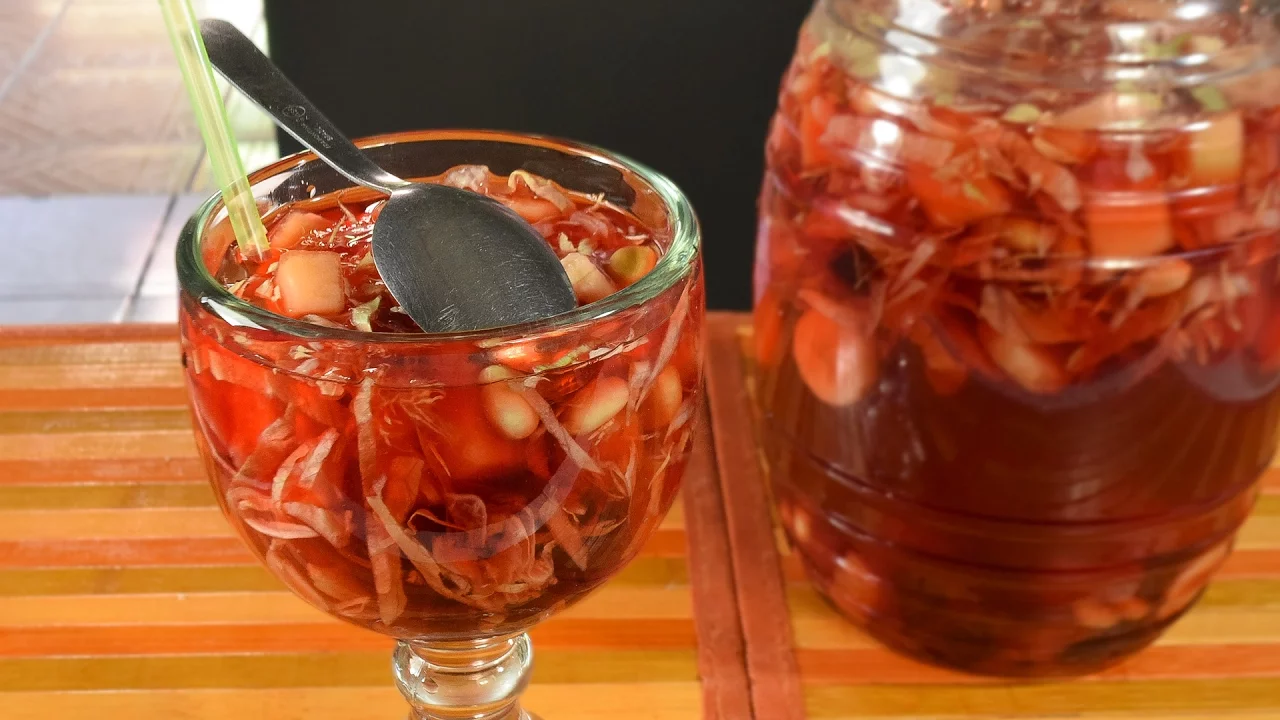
x: 1220, y: 662
x: 124, y: 593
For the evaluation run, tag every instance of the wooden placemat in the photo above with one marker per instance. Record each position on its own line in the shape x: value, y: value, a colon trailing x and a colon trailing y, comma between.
x: 1220, y: 662
x: 125, y: 594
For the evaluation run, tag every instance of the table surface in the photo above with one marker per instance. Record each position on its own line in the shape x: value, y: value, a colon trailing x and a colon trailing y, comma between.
x: 124, y: 594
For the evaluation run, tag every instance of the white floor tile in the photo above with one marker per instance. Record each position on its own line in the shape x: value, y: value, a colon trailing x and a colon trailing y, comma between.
x: 77, y: 246
x: 161, y: 277
x: 61, y: 311
x: 153, y: 309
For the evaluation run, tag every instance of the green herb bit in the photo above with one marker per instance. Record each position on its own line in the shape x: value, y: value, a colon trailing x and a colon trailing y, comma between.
x: 564, y: 360
x: 362, y: 314
x: 1210, y: 98
x: 972, y: 192
x: 1022, y: 113
x: 820, y: 52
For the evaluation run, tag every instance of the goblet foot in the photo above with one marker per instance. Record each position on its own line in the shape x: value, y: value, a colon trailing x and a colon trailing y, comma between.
x: 477, y: 679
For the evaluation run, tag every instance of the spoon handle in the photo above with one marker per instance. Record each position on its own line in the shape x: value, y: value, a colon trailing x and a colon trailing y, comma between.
x: 244, y: 66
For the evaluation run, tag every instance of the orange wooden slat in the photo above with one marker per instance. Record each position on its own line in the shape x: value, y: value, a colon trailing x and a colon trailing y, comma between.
x: 186, y: 639
x: 42, y: 335
x: 775, y: 687
x: 76, y: 398
x: 726, y: 687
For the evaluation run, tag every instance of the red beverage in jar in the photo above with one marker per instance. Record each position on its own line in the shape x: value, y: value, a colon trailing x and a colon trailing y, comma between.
x: 445, y: 488
x: 1017, y: 319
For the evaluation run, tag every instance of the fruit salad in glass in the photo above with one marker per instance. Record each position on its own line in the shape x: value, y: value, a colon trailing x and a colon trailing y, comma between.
x: 447, y: 490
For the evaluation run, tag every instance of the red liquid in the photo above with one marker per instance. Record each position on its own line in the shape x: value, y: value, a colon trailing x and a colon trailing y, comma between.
x: 435, y: 489
x: 988, y: 449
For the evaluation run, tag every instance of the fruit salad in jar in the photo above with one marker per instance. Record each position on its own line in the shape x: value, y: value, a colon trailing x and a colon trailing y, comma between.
x: 443, y: 487
x: 1017, y: 318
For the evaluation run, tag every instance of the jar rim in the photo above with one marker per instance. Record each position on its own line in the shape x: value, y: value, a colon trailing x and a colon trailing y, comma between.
x: 673, y: 266
x: 1139, y: 48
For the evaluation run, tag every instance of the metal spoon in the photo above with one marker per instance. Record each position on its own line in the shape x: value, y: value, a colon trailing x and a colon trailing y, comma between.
x: 454, y: 260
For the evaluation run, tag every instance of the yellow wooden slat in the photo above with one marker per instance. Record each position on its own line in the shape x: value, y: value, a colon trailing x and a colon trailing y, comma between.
x: 131, y: 353
x: 1215, y: 715
x: 108, y: 375
x: 675, y: 518
x: 98, y: 446
x: 615, y: 701
x: 282, y: 607
x: 68, y: 496
x: 847, y: 702
x: 1260, y: 532
x: 114, y: 420
x: 117, y: 524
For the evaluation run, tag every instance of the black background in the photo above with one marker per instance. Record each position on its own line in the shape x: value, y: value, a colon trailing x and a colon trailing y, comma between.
x: 685, y: 86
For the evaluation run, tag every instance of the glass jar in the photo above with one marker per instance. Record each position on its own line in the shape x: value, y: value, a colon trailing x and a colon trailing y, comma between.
x: 1016, y: 316
x: 449, y: 491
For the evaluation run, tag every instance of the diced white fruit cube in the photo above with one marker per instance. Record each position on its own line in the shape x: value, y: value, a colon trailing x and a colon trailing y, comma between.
x: 310, y: 282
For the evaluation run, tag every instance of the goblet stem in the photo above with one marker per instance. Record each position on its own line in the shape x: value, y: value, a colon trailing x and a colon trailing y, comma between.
x: 477, y: 679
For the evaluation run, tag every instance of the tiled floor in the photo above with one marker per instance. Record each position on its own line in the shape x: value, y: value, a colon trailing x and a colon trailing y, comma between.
x: 100, y: 159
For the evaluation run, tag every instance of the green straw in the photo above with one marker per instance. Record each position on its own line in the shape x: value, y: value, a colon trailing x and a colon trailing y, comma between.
x: 211, y: 115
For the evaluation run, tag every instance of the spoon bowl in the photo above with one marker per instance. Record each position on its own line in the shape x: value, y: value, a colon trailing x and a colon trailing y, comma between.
x: 455, y: 260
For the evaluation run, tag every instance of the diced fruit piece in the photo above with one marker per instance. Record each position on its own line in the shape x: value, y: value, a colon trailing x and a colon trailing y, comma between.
x: 957, y: 201
x: 854, y: 588
x: 533, y: 210
x: 596, y: 404
x: 1024, y: 235
x: 1031, y: 366
x: 629, y: 264
x: 1117, y: 110
x: 1192, y: 580
x: 1063, y: 145
x: 1167, y: 277
x: 310, y: 282
x: 1097, y: 613
x: 506, y: 408
x: 294, y: 227
x: 522, y: 356
x: 1128, y: 226
x: 467, y: 448
x: 662, y: 404
x: 1215, y: 153
x: 814, y: 120
x: 589, y: 284
x: 836, y: 360
x: 800, y: 526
